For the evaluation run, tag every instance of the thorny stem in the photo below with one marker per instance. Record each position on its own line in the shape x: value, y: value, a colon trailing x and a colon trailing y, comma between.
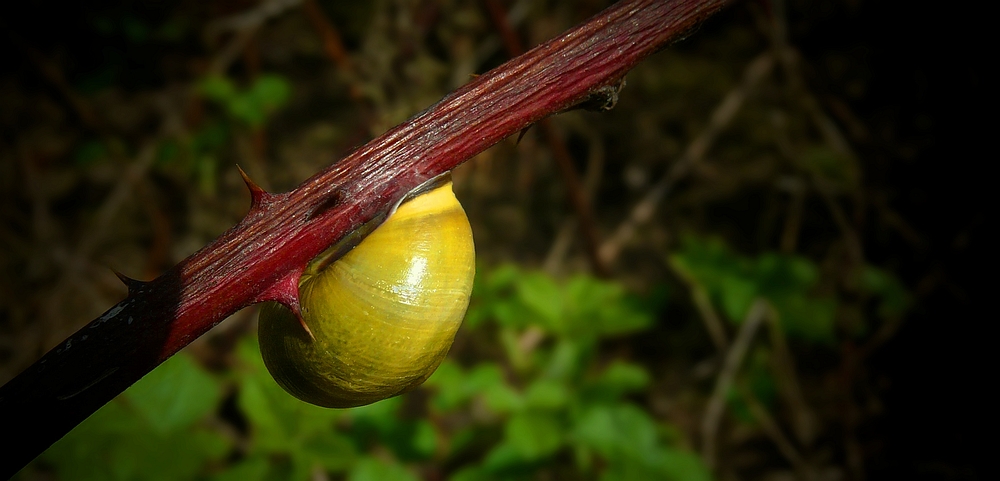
x: 261, y: 257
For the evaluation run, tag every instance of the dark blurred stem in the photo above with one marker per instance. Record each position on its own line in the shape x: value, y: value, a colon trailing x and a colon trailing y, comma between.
x: 333, y: 47
x: 727, y: 376
x: 713, y: 324
x: 787, y: 381
x: 773, y: 431
x: 260, y: 257
x: 855, y: 257
x: 695, y: 152
x: 332, y: 44
x: 793, y: 222
x: 575, y: 190
x: 53, y: 75
x: 577, y: 197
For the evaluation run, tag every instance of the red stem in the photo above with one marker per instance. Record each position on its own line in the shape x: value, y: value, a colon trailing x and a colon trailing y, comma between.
x: 259, y: 258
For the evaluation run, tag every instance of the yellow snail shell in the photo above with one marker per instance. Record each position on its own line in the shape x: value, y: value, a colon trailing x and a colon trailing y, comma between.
x: 384, y: 315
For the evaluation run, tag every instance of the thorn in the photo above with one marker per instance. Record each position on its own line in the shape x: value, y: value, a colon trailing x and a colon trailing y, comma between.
x: 285, y: 291
x: 133, y: 285
x: 258, y: 196
x: 601, y: 100
x: 305, y: 326
x: 521, y: 135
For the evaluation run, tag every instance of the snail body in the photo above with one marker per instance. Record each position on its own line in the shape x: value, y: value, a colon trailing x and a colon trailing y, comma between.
x: 383, y: 316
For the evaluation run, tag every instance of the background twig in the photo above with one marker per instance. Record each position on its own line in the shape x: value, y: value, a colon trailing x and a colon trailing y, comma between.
x: 724, y: 381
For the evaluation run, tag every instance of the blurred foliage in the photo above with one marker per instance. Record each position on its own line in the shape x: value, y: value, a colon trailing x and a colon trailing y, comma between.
x: 734, y: 282
x: 154, y: 430
x: 548, y: 406
x: 251, y: 105
x: 789, y: 282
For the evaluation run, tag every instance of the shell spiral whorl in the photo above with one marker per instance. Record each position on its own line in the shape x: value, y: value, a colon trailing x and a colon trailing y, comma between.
x: 384, y: 315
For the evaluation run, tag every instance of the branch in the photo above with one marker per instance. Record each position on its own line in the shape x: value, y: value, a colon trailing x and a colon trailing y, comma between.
x: 260, y: 258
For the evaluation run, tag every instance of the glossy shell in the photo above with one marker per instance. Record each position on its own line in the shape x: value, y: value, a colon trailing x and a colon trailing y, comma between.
x: 384, y: 315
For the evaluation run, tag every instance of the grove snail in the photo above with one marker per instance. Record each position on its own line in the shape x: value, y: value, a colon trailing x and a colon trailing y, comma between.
x: 383, y: 316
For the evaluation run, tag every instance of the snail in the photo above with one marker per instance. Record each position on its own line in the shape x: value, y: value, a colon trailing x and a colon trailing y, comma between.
x: 381, y: 318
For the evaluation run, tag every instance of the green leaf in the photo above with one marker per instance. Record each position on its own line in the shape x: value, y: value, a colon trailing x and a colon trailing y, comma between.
x: 279, y: 422
x: 424, y: 439
x: 174, y: 395
x: 408, y: 439
x: 502, y: 277
x: 627, y: 438
x: 708, y: 264
x: 484, y: 376
x: 336, y: 453
x: 666, y: 464
x: 447, y: 383
x: 245, y: 108
x: 734, y: 282
x: 179, y: 456
x: 488, y: 381
x: 534, y: 435
x: 807, y: 318
x: 205, y: 173
x: 270, y: 91
x: 372, y: 469
x: 503, y: 457
x: 473, y: 473
x: 547, y: 394
x: 90, y: 153
x: 737, y: 293
x: 253, y: 105
x: 269, y: 431
x: 382, y: 415
x: 777, y: 273
x: 680, y: 465
x: 598, y: 308
x: 217, y: 88
x: 616, y: 380
x: 118, y: 444
x: 210, y: 138
x: 267, y: 93
x: 615, y: 430
x: 501, y: 398
x: 455, y: 388
x: 543, y: 297
x: 894, y: 298
x: 513, y: 313
x: 462, y: 438
x: 86, y: 451
x: 568, y: 358
x: 254, y: 468
x: 488, y: 291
